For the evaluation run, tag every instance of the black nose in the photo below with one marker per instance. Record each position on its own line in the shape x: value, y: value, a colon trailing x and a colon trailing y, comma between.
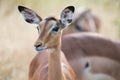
x: 38, y: 45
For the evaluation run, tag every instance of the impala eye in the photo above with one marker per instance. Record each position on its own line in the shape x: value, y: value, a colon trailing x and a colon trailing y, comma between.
x: 79, y: 27
x: 56, y: 28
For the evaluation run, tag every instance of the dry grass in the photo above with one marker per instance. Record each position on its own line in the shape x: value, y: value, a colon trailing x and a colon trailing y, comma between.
x: 17, y: 37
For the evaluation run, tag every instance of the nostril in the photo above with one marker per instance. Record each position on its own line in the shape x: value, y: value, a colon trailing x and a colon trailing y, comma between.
x: 38, y: 45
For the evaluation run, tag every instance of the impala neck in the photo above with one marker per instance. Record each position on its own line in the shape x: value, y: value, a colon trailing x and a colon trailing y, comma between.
x: 54, y: 69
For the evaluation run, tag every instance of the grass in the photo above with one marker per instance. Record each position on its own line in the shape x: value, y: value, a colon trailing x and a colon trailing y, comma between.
x: 117, y: 23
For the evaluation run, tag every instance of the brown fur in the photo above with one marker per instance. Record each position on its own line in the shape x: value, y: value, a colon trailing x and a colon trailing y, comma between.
x: 75, y: 47
x: 84, y: 45
x: 108, y: 68
x: 89, y: 45
x: 38, y: 69
x: 52, y: 64
x: 99, y: 65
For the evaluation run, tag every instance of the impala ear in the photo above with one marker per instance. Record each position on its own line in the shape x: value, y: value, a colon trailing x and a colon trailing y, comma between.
x: 29, y: 15
x: 67, y: 16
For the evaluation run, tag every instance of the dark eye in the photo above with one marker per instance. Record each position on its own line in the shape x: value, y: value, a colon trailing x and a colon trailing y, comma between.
x: 56, y: 28
x: 79, y: 28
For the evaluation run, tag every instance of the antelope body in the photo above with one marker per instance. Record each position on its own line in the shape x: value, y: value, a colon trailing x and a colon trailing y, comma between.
x: 89, y: 44
x: 88, y: 75
x: 77, y: 46
x: 52, y: 62
x: 103, y: 61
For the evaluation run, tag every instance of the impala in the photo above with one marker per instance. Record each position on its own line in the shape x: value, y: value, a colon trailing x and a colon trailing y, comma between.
x: 52, y: 63
x: 80, y: 45
x: 77, y: 46
x: 89, y: 75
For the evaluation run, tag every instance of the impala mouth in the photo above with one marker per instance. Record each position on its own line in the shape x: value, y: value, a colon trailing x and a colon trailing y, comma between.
x: 40, y: 48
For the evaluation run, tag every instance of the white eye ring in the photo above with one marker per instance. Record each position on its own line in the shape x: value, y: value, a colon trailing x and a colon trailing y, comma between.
x: 54, y: 26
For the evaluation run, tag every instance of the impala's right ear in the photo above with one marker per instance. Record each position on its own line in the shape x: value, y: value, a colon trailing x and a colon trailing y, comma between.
x: 67, y: 16
x: 29, y: 15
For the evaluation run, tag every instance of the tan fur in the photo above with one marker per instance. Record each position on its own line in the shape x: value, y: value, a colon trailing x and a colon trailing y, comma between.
x: 106, y: 61
x: 38, y: 69
x: 89, y: 45
x: 52, y: 64
x: 100, y: 68
x: 75, y: 47
x: 84, y: 45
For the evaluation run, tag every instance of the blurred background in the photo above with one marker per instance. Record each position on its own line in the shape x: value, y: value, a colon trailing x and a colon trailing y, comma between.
x: 17, y: 37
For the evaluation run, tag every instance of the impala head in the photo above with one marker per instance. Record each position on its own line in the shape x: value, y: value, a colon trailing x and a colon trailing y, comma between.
x: 49, y: 29
x: 84, y: 21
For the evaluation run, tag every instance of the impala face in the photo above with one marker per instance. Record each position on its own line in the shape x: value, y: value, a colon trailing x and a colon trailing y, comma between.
x: 49, y: 29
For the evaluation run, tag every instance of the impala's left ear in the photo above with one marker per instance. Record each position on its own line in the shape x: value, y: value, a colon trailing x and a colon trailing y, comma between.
x: 67, y: 16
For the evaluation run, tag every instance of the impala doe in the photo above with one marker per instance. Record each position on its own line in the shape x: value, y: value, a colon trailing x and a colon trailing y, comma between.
x: 74, y: 46
x: 52, y: 62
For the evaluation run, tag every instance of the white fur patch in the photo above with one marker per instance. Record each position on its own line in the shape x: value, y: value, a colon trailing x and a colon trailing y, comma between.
x: 92, y: 25
x: 65, y: 17
x: 88, y: 75
x: 53, y: 26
